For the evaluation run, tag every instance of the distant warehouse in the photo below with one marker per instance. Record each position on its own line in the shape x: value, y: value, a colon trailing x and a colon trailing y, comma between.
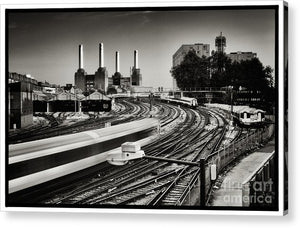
x: 20, y: 108
x: 69, y: 102
x: 241, y: 56
x: 27, y: 96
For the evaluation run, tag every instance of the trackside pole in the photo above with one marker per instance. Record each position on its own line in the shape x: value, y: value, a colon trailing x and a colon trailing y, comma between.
x: 202, y: 182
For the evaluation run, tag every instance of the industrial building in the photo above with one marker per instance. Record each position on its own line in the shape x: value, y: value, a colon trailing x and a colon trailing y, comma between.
x: 15, y: 77
x: 100, y: 80
x: 200, y: 50
x: 136, y: 77
x: 97, y: 81
x: 70, y: 102
x: 27, y: 96
x: 241, y: 56
x: 20, y: 108
x: 220, y: 44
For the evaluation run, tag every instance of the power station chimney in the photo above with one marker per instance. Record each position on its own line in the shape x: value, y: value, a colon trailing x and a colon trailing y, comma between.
x: 117, y: 62
x: 80, y: 56
x: 136, y: 77
x: 101, y: 57
x: 136, y: 59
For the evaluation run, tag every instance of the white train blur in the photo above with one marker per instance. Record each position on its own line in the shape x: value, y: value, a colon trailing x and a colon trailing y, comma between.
x: 62, y: 155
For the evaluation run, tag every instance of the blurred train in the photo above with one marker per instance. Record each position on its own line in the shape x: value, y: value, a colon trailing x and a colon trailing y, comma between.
x: 185, y: 101
x: 36, y: 162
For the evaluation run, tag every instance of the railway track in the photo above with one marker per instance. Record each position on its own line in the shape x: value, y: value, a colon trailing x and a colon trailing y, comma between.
x: 120, y: 182
x: 121, y: 169
x: 171, y: 188
x: 146, y: 182
x: 174, y: 192
x: 129, y: 112
x: 36, y: 195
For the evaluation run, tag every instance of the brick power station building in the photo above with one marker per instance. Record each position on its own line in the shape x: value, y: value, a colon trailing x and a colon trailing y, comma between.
x: 100, y: 80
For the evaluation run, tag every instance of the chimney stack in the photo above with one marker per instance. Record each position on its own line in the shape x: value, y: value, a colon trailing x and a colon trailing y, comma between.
x: 101, y: 57
x: 136, y: 60
x: 80, y: 56
x: 117, y: 62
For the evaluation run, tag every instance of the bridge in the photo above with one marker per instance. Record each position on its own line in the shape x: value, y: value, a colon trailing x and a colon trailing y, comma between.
x: 193, y: 90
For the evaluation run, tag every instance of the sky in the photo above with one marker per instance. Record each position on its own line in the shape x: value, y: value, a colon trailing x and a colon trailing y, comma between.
x: 45, y: 44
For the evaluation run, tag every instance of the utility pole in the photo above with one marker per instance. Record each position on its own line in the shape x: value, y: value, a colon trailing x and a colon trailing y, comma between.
x: 231, y: 100
x: 151, y: 100
x: 231, y: 103
x: 75, y: 99
x: 202, y: 182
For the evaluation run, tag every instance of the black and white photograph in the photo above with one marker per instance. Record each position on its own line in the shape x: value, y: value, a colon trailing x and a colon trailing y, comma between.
x: 149, y: 107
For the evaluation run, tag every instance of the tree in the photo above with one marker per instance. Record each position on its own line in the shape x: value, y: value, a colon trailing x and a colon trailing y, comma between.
x: 250, y: 74
x: 219, y: 64
x: 192, y: 72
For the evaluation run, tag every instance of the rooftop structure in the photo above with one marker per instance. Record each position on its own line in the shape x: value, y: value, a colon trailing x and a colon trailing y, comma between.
x: 220, y: 43
x: 241, y: 56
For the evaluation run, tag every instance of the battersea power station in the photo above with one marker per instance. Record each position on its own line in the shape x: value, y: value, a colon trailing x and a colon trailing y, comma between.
x: 100, y: 80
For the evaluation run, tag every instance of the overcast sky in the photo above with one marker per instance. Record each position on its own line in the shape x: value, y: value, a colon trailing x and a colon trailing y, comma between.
x: 45, y: 45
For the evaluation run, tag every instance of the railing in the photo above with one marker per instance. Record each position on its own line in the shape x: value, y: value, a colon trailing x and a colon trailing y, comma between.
x: 225, y: 156
x: 193, y: 89
x: 229, y: 153
x: 242, y: 145
x: 204, y: 89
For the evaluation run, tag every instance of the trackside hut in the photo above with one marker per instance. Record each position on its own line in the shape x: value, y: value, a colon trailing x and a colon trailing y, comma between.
x: 64, y: 102
x: 39, y: 101
x: 96, y: 102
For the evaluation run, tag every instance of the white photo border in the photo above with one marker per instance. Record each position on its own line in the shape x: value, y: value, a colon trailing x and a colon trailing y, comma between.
x: 280, y: 104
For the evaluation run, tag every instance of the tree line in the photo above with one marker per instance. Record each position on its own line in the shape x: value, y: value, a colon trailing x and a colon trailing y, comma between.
x: 219, y: 71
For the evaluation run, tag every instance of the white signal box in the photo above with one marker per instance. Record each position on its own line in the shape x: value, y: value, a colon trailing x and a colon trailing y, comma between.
x: 130, y: 147
x: 128, y: 151
x: 213, y: 172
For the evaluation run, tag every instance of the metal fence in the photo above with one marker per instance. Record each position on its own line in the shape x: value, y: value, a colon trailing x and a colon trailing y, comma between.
x: 228, y: 154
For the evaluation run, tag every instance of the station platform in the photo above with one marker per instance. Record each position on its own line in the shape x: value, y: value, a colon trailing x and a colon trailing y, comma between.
x: 228, y: 189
